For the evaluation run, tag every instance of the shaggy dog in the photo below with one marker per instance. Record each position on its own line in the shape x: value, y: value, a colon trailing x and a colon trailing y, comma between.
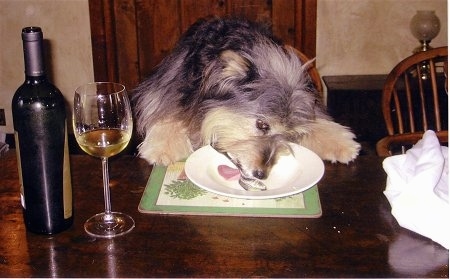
x: 230, y: 84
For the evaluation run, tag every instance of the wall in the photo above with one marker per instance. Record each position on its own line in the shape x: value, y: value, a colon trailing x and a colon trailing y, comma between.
x: 65, y: 24
x: 353, y: 37
x: 369, y: 36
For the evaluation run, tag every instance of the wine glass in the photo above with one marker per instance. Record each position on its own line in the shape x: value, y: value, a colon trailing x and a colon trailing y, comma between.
x: 102, y: 122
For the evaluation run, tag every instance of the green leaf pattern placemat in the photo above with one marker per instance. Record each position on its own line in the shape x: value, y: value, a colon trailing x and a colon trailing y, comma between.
x: 168, y: 191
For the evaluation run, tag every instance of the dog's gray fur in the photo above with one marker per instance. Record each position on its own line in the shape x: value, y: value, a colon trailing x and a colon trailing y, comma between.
x: 230, y: 84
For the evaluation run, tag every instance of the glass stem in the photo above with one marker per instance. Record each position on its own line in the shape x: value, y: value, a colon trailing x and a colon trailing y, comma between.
x: 106, y: 186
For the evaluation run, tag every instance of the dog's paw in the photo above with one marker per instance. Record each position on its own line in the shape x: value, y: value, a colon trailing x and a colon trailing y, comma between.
x: 344, y: 151
x: 161, y: 154
x: 164, y: 145
x: 332, y: 142
x: 156, y: 157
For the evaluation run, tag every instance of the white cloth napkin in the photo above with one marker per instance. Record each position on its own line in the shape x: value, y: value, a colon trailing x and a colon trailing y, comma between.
x: 417, y: 189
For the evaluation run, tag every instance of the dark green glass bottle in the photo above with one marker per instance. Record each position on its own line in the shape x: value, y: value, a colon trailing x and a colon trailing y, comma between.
x: 40, y: 129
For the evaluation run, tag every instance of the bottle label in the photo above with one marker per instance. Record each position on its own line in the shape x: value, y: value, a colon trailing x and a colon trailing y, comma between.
x: 67, y: 182
x: 19, y: 166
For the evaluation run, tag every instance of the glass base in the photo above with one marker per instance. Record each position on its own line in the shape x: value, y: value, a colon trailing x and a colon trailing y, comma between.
x: 109, y: 225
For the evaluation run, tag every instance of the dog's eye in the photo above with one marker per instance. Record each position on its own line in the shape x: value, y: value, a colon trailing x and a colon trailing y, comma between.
x: 263, y: 126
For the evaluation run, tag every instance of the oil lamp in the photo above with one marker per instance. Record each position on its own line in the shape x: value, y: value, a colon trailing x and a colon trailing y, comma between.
x: 425, y: 26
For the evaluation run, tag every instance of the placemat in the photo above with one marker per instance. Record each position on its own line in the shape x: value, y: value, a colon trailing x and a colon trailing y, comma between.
x: 169, y: 191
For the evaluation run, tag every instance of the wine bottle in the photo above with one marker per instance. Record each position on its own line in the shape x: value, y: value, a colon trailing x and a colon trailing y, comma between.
x: 40, y: 129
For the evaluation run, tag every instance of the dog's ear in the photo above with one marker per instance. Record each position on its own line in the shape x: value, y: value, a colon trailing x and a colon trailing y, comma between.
x: 234, y: 64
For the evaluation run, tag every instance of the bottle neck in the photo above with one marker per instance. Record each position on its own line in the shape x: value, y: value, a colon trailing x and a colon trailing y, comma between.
x: 33, y: 52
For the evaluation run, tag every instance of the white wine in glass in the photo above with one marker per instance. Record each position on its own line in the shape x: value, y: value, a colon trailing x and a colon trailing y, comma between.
x: 103, y: 125
x: 103, y: 142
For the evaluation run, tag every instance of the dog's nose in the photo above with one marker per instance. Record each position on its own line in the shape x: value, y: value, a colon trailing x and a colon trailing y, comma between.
x: 260, y: 174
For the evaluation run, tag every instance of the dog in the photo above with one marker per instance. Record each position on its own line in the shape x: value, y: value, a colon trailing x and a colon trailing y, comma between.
x: 231, y: 84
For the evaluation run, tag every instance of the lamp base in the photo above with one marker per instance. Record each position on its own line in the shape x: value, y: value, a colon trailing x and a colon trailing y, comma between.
x: 425, y: 45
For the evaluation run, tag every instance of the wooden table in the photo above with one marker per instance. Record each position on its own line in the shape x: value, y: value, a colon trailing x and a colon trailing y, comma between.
x: 355, y: 237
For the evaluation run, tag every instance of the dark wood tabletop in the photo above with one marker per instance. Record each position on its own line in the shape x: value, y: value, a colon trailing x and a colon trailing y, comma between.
x: 356, y: 236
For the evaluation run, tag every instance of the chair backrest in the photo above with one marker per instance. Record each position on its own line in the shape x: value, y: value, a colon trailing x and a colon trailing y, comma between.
x: 415, y: 97
x: 415, y: 94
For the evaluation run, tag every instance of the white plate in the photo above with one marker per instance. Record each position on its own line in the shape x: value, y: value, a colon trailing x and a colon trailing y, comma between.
x: 291, y: 174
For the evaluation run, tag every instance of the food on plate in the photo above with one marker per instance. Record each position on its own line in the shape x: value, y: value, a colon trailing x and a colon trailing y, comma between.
x: 228, y: 172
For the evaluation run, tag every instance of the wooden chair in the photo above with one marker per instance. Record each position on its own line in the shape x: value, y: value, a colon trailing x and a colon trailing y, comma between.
x: 414, y: 100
